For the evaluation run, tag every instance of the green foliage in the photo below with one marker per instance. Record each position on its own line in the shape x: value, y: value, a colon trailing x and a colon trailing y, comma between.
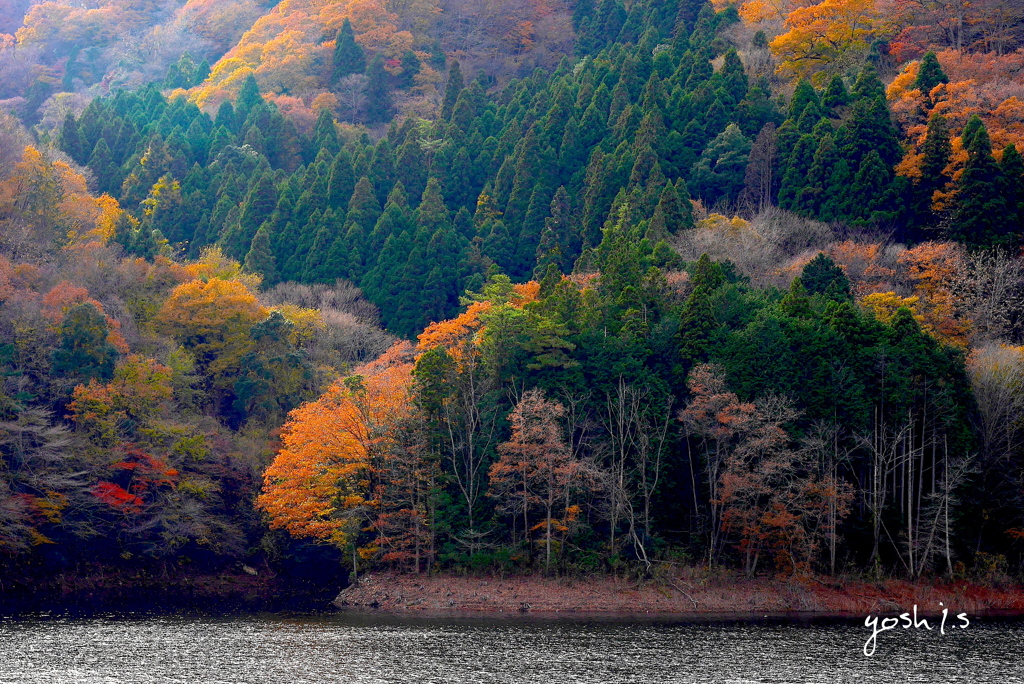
x: 979, y: 214
x: 84, y: 351
x: 822, y: 276
x: 348, y: 57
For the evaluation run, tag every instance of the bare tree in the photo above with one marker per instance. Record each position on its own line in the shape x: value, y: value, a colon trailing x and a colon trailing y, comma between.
x: 352, y: 96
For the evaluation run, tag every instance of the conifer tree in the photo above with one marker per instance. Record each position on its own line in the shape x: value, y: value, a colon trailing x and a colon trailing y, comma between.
x: 936, y: 152
x: 980, y: 209
x: 260, y: 259
x: 804, y: 96
x: 349, y: 57
x: 248, y: 98
x: 556, y: 245
x: 70, y: 141
x: 108, y: 176
x: 823, y: 276
x: 452, y: 90
x: 341, y: 182
x: 410, y: 68
x: 363, y: 207
x: 929, y: 74
x: 378, y: 95
x: 1012, y: 166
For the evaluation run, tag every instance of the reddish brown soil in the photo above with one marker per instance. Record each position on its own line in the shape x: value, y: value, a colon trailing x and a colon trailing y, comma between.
x: 683, y: 593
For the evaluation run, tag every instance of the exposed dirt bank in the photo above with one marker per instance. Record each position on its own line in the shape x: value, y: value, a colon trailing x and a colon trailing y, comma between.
x: 445, y: 594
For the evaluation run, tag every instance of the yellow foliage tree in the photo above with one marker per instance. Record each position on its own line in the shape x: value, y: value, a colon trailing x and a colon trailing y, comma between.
x: 884, y: 305
x: 212, y: 320
x: 830, y: 34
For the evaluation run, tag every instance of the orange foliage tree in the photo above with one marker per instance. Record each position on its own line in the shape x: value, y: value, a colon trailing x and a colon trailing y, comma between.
x: 765, y: 492
x: 46, y: 202
x: 108, y: 413
x: 987, y: 85
x: 285, y: 49
x: 936, y: 269
x: 538, y: 471
x: 334, y: 471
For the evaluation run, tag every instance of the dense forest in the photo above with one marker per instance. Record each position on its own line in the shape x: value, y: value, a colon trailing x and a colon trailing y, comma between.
x: 534, y: 286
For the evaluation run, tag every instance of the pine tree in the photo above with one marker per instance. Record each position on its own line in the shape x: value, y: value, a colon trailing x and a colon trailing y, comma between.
x: 202, y: 72
x: 804, y: 96
x: 410, y: 68
x: 868, y: 86
x: 836, y: 95
x: 556, y: 246
x: 796, y: 303
x: 936, y: 151
x: 870, y: 195
x: 226, y: 117
x: 108, y: 176
x: 668, y: 216
x: 325, y: 136
x: 432, y: 213
x: 84, y: 352
x: 70, y: 141
x: 349, y: 57
x: 248, y: 98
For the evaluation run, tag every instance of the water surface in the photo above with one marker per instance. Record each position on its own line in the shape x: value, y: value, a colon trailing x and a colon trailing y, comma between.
x: 358, y: 649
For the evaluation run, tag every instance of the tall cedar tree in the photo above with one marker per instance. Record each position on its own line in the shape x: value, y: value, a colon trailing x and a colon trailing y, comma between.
x: 349, y: 57
x: 979, y: 213
x: 452, y: 90
x: 378, y: 95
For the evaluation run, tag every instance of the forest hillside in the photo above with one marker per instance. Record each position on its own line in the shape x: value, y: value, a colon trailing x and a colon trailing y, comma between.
x: 524, y: 286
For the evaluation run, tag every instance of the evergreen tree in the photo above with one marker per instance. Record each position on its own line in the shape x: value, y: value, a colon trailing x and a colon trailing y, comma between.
x: 452, y: 90
x: 410, y: 68
x: 822, y: 276
x: 557, y: 245
x: 836, y: 95
x: 804, y: 96
x: 980, y: 210
x: 108, y: 176
x: 718, y: 175
x: 248, y: 98
x: 260, y: 259
x: 432, y: 213
x: 363, y: 207
x: 341, y: 182
x: 70, y: 141
x: 378, y: 95
x: 1012, y: 166
x: 929, y: 74
x: 84, y: 351
x: 349, y: 57
x: 868, y: 86
x: 936, y: 152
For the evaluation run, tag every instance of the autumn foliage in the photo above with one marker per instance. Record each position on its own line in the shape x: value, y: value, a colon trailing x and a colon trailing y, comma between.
x: 322, y: 482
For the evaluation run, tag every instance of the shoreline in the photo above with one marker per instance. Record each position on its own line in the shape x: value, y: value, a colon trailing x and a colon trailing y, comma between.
x: 721, y: 597
x: 225, y: 591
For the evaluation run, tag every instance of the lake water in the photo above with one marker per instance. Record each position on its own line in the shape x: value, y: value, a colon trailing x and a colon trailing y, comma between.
x: 360, y: 649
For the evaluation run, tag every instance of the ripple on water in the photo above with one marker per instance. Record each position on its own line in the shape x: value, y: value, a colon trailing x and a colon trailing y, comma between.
x: 359, y: 649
